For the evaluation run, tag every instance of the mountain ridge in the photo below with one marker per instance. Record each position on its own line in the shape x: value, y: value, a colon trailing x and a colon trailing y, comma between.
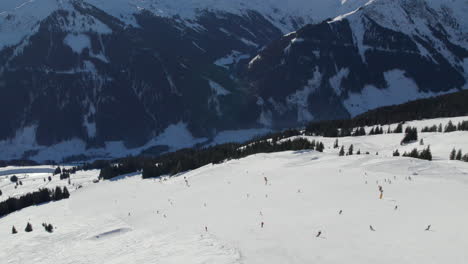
x: 90, y: 75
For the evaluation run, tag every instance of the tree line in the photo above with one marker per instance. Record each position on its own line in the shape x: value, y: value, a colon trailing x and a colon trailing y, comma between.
x: 458, y: 155
x: 189, y: 159
x: 41, y: 196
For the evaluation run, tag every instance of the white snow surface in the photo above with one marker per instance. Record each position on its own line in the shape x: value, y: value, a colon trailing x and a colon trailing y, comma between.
x: 132, y: 220
x: 78, y: 42
x: 401, y: 89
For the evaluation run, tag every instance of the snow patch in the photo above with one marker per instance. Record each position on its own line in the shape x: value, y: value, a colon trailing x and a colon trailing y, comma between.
x: 335, y: 81
x: 230, y: 59
x: 78, y: 42
x: 218, y: 89
x: 300, y: 99
x: 401, y: 89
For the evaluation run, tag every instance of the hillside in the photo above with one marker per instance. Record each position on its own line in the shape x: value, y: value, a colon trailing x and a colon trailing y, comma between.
x: 95, y: 77
x: 131, y: 220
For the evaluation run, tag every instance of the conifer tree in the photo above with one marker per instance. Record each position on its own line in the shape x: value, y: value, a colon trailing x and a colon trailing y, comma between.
x: 65, y: 193
x: 465, y: 158
x: 453, y: 154
x: 320, y: 147
x: 450, y: 127
x: 336, y: 144
x: 342, y: 152
x: 57, y: 171
x: 28, y: 228
x: 426, y: 154
x: 351, y: 150
x: 411, y: 134
x: 13, y: 230
x: 399, y: 128
x: 459, y: 155
x: 58, y: 195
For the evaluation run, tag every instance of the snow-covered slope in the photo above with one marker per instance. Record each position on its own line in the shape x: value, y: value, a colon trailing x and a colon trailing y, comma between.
x: 163, y: 221
x: 36, y: 177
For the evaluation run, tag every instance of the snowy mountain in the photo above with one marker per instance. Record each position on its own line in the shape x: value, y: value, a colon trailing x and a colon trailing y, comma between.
x: 217, y: 215
x: 384, y: 53
x: 113, y: 75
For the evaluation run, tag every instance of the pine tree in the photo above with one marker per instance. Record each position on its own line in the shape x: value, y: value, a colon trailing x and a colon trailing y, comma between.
x: 439, y: 129
x: 320, y: 147
x: 426, y: 154
x: 342, y: 152
x: 13, y: 230
x: 358, y: 152
x: 57, y: 171
x: 465, y: 158
x: 351, y: 150
x: 450, y: 127
x: 28, y: 228
x: 336, y: 144
x: 65, y: 193
x: 411, y: 135
x: 453, y: 154
x: 58, y: 195
x: 399, y: 128
x: 459, y: 155
x: 396, y: 153
x: 48, y: 227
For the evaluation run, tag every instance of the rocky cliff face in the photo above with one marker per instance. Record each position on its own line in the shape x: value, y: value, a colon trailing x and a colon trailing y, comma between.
x: 96, y: 72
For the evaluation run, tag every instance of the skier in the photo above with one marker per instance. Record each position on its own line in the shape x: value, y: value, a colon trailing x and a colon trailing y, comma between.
x: 371, y: 228
x: 262, y: 224
x: 318, y: 234
x: 396, y: 207
x: 206, y: 229
x: 428, y: 228
x: 381, y: 191
x: 266, y: 180
x: 341, y: 211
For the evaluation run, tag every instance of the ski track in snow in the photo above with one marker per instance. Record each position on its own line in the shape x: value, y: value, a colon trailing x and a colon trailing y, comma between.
x: 163, y: 220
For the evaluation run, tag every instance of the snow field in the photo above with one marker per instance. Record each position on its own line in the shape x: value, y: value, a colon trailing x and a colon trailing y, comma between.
x: 131, y: 220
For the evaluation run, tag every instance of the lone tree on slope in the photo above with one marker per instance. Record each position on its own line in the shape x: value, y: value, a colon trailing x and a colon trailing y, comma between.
x: 342, y: 152
x: 28, y: 228
x: 351, y: 150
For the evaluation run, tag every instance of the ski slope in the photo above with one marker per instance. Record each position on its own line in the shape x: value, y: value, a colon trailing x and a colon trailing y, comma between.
x: 131, y: 220
x: 35, y: 178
